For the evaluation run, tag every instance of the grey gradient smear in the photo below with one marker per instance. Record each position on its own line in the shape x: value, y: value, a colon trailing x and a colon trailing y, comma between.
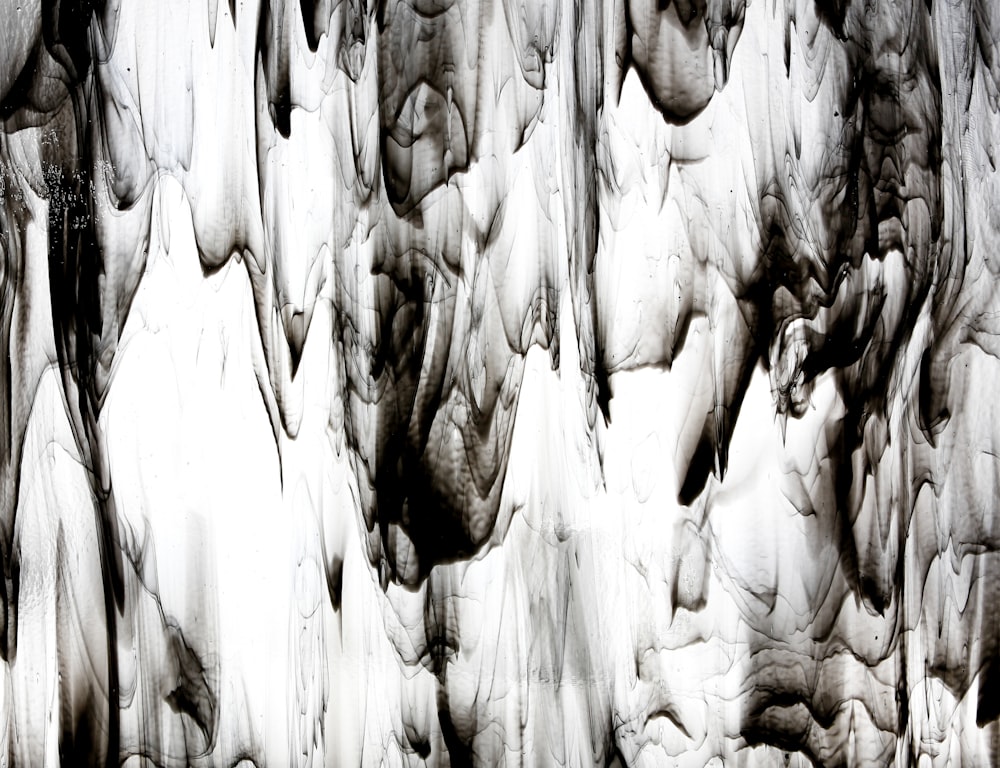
x: 515, y: 382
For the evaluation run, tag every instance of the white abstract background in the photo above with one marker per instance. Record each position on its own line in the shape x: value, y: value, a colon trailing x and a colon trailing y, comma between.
x: 516, y: 382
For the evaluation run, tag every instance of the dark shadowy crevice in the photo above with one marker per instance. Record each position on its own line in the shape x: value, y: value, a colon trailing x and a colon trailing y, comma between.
x: 460, y: 754
x: 272, y: 47
x: 335, y: 582
x: 616, y: 760
x: 988, y: 704
x: 66, y: 30
x: 19, y: 95
x: 834, y: 15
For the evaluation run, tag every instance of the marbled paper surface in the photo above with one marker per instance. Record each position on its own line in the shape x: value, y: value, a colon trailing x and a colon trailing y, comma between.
x: 499, y: 382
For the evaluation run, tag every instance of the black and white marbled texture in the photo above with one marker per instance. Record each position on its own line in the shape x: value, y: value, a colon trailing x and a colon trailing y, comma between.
x: 507, y: 382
